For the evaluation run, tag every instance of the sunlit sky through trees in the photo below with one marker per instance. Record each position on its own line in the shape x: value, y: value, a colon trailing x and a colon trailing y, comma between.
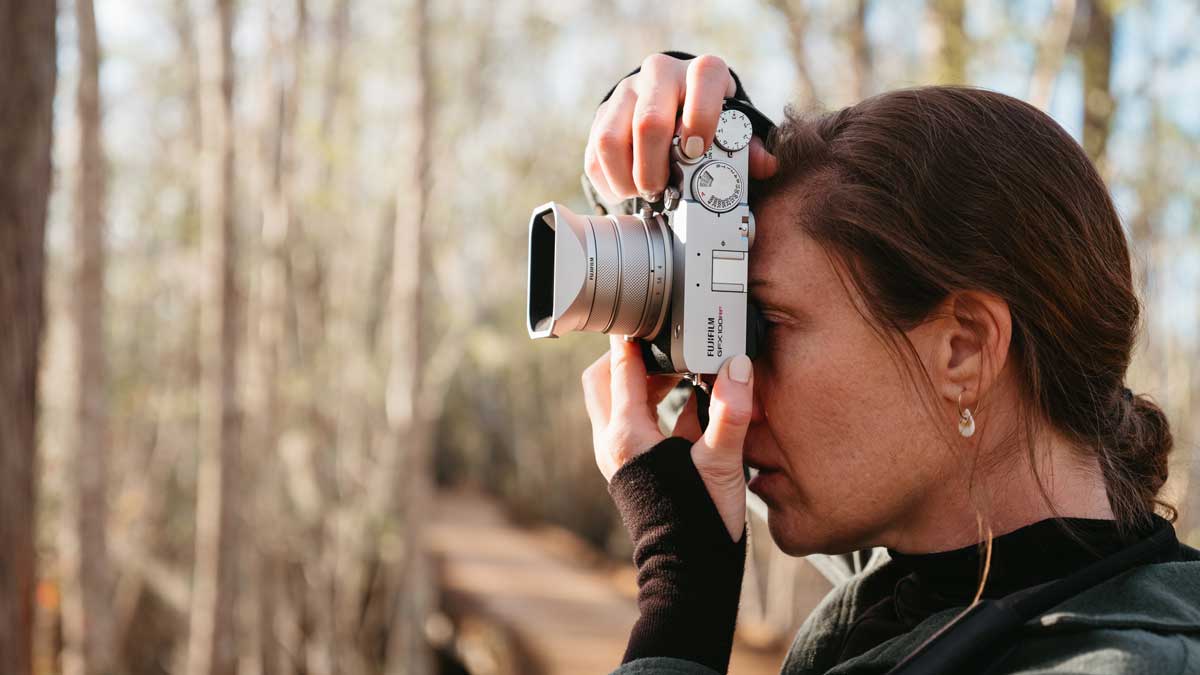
x: 1156, y: 67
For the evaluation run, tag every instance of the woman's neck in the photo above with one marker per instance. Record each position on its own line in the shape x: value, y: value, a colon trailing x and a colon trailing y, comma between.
x: 1004, y: 496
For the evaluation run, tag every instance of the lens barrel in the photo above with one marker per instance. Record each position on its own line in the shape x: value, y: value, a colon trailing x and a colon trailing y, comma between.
x: 600, y: 274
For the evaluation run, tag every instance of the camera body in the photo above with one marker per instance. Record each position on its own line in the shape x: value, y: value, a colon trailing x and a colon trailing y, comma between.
x: 674, y: 275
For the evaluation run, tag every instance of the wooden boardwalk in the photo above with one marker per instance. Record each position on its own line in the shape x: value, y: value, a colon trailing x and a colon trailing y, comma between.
x: 566, y: 612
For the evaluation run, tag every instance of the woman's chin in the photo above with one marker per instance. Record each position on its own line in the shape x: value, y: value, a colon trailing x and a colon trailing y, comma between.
x: 782, y: 527
x: 801, y: 541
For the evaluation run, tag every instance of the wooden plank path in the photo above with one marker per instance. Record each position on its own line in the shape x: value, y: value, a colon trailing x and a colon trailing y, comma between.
x: 568, y: 613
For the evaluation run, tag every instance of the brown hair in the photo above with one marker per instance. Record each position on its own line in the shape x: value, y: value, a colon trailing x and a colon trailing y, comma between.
x: 924, y: 192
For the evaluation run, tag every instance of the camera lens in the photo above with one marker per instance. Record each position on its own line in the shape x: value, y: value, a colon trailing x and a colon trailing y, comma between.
x: 601, y: 274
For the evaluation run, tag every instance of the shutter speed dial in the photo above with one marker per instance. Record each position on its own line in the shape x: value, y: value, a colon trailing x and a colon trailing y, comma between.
x: 718, y: 186
x: 733, y: 130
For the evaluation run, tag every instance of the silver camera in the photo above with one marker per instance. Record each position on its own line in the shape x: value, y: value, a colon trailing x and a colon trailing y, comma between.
x: 674, y: 275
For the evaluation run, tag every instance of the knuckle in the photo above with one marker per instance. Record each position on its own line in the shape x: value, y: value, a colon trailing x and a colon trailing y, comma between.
x: 652, y: 123
x: 617, y: 359
x: 708, y: 65
x: 592, y: 168
x: 601, y: 117
x: 609, y: 141
x: 589, y: 377
x: 625, y: 88
x: 656, y: 62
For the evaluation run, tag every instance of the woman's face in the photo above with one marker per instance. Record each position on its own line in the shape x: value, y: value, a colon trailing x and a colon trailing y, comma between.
x: 857, y: 459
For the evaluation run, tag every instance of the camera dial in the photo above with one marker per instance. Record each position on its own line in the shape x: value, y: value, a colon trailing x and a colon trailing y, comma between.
x: 718, y: 186
x: 733, y: 131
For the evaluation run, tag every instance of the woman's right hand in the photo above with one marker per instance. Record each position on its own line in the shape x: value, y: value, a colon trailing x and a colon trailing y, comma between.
x: 621, y: 401
x: 629, y: 146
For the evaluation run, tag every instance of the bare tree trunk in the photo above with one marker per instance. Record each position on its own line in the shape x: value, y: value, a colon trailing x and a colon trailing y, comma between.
x: 212, y: 648
x: 954, y: 47
x: 282, y: 92
x: 796, y: 16
x: 87, y: 600
x: 409, y: 431
x: 1096, y: 51
x: 861, y: 68
x: 1051, y: 49
x: 27, y: 79
x: 339, y: 34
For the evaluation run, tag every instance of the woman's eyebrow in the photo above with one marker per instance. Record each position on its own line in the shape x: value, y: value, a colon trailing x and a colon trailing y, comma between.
x: 769, y: 294
x: 764, y: 290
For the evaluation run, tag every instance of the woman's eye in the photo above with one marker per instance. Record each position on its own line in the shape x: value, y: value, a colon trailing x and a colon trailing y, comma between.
x: 770, y: 329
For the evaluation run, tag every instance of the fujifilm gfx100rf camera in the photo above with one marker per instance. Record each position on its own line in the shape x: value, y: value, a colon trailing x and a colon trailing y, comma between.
x: 674, y: 275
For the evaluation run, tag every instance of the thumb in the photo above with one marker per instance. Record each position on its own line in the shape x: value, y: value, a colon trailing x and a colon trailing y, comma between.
x: 718, y: 453
x: 730, y: 411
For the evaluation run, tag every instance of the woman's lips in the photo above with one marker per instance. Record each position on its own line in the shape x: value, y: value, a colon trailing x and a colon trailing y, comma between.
x: 755, y: 463
x: 762, y: 481
x: 762, y: 473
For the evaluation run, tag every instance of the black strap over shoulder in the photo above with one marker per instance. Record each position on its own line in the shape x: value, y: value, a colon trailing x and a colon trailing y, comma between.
x: 982, y: 635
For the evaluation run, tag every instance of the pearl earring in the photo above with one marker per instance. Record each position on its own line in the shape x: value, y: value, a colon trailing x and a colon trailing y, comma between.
x: 966, y: 421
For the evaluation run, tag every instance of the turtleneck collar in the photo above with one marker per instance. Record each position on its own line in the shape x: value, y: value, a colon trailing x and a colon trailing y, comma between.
x: 1034, y: 554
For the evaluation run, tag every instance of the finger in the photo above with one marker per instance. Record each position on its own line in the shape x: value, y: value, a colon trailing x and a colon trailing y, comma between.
x: 729, y: 412
x: 708, y: 81
x: 659, y: 90
x: 595, y: 172
x: 763, y: 164
x: 688, y: 424
x: 628, y: 379
x: 659, y: 386
x: 596, y: 391
x: 614, y: 140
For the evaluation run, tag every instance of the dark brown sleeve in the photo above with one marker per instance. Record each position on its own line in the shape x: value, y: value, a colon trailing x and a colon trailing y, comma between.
x: 689, y: 570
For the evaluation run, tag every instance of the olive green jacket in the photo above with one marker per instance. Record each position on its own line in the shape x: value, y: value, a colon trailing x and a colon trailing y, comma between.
x: 1144, y: 621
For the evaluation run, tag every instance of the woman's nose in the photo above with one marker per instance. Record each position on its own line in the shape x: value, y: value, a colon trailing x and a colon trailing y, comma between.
x: 757, y: 414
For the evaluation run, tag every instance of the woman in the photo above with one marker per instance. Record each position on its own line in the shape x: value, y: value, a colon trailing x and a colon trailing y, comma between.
x: 951, y: 318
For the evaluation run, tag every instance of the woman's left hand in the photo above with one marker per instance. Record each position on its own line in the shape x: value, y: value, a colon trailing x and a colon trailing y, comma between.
x: 621, y: 402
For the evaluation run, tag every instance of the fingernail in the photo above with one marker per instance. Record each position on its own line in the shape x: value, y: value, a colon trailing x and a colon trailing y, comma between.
x: 651, y: 197
x: 693, y: 147
x: 740, y: 368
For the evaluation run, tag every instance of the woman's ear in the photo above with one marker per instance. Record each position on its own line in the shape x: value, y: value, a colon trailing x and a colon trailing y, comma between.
x: 970, y: 345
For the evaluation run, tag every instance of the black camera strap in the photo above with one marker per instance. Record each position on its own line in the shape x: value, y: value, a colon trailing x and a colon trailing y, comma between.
x: 987, y: 631
x: 761, y: 124
x: 703, y: 399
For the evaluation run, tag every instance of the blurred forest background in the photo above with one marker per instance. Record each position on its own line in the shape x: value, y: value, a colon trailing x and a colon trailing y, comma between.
x: 263, y: 263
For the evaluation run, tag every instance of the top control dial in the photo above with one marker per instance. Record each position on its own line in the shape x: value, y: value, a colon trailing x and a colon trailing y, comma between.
x: 718, y: 186
x: 733, y: 130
